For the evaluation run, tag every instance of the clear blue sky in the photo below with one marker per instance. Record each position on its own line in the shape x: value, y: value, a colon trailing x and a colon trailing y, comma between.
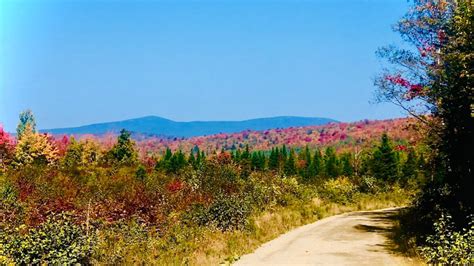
x: 80, y: 62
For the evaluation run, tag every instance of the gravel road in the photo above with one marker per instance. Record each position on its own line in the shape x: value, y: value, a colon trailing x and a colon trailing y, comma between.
x: 357, y: 238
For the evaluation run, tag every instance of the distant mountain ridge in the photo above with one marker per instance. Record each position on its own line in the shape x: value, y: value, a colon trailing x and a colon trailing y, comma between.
x: 155, y: 125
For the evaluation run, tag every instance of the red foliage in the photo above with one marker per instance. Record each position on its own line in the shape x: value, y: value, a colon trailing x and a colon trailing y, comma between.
x: 414, y: 91
x: 398, y: 80
x: 401, y: 148
x: 62, y: 145
x: 224, y: 158
x: 175, y: 186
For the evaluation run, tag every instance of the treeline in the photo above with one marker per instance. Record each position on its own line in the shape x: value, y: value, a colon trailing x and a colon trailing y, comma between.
x: 384, y: 162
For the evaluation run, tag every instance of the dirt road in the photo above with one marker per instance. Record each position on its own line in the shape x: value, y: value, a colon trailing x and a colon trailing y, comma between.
x: 358, y: 238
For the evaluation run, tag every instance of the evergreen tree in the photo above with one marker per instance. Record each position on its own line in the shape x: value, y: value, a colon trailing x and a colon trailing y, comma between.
x: 273, y: 159
x: 384, y: 163
x: 410, y: 166
x: 140, y: 174
x: 246, y: 153
x: 306, y: 171
x: 124, y: 151
x: 179, y: 161
x: 317, y: 163
x: 192, y: 159
x: 73, y: 155
x: 283, y: 156
x: 254, y: 161
x: 331, y: 168
x: 27, y: 121
x: 290, y: 165
x: 238, y: 156
x: 346, y: 164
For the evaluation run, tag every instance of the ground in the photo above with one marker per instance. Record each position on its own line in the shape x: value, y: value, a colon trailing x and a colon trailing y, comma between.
x: 357, y: 238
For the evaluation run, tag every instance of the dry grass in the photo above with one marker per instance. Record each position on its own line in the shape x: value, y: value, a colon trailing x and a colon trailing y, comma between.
x: 221, y: 247
x: 203, y: 246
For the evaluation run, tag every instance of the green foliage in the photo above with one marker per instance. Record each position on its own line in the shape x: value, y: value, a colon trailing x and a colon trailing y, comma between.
x: 432, y: 80
x: 124, y: 151
x: 140, y: 174
x: 369, y: 184
x: 447, y: 246
x: 226, y: 213
x: 340, y: 190
x: 346, y: 168
x: 56, y: 241
x: 27, y: 122
x: 409, y: 169
x: 384, y: 165
x: 331, y: 168
x: 290, y: 164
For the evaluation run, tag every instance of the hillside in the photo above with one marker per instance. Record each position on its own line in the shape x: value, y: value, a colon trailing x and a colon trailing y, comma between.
x: 343, y: 136
x: 154, y: 125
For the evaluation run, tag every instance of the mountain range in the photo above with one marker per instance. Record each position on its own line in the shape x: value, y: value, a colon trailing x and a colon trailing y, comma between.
x: 155, y: 125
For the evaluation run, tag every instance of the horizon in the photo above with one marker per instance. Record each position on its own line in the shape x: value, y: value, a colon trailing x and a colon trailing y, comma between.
x: 79, y: 62
x: 242, y: 120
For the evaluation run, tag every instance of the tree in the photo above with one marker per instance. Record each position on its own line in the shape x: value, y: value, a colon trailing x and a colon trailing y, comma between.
x: 34, y: 149
x: 192, y: 159
x: 317, y: 163
x: 73, y: 157
x: 6, y: 148
x: 346, y: 164
x: 384, y: 164
x: 290, y: 165
x: 331, y: 163
x: 307, y: 168
x: 436, y: 78
x: 124, y: 151
x: 27, y: 121
x: 410, y: 166
x: 140, y: 173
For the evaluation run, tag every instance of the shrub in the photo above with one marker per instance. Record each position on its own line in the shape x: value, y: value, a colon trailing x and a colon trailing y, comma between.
x: 226, y: 213
x: 56, y: 241
x: 369, y: 184
x: 287, y: 191
x: 448, y: 246
x: 340, y: 190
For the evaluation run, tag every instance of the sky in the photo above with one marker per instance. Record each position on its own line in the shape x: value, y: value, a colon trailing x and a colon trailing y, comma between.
x: 76, y: 62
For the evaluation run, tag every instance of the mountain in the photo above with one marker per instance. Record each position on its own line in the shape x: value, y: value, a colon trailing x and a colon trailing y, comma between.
x: 155, y: 125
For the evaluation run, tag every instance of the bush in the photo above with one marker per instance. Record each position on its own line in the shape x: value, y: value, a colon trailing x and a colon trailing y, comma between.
x: 369, y: 184
x: 56, y: 241
x: 340, y: 190
x: 448, y: 246
x: 226, y: 214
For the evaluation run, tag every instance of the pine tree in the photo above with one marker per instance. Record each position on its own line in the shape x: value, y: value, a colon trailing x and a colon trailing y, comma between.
x: 290, y: 165
x: 409, y: 167
x: 254, y: 161
x: 331, y: 163
x: 384, y: 163
x: 273, y: 159
x: 73, y: 155
x: 317, y: 163
x: 27, y: 122
x: 346, y: 164
x: 124, y: 151
x: 238, y: 156
x: 192, y: 159
x: 283, y: 156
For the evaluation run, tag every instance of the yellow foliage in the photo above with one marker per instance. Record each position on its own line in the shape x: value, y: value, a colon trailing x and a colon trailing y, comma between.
x: 35, y: 148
